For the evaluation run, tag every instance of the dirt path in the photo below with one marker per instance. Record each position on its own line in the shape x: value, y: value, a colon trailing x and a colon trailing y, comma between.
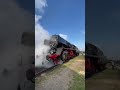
x: 62, y: 77
x: 106, y: 80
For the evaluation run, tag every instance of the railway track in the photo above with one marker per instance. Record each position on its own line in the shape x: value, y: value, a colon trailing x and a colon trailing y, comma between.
x: 38, y: 73
x: 43, y: 70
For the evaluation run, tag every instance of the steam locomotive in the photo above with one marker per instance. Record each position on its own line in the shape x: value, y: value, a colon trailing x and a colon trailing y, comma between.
x: 60, y: 49
x: 95, y: 60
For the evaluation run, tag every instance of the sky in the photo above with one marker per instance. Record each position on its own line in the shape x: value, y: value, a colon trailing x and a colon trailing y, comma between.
x: 64, y: 17
x: 103, y: 25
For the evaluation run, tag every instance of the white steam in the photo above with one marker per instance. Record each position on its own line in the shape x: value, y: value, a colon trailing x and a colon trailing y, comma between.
x: 40, y: 4
x: 41, y: 34
x: 40, y: 49
x: 64, y: 36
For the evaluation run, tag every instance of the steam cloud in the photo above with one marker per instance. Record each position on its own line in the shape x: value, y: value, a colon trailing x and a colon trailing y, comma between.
x: 14, y: 20
x: 41, y: 34
x: 40, y: 49
x: 64, y: 36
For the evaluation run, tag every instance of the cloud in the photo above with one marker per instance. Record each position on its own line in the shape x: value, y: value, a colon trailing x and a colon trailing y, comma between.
x: 64, y: 36
x: 37, y: 18
x: 10, y: 34
x: 41, y: 34
x: 14, y: 20
x: 40, y: 5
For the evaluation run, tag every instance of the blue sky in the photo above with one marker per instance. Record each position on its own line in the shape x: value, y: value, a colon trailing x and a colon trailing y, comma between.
x: 66, y: 17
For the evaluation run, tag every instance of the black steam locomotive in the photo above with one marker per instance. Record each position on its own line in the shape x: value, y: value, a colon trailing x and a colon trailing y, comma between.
x: 95, y: 60
x: 60, y: 49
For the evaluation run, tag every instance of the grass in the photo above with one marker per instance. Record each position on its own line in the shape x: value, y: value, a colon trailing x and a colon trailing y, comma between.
x: 81, y: 57
x: 78, y: 82
x: 108, y: 79
x: 108, y: 73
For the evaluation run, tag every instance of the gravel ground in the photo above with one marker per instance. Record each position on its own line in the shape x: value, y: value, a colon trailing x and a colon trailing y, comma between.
x: 61, y: 79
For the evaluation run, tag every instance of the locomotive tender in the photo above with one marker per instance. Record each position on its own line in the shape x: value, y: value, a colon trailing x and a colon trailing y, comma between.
x: 60, y: 49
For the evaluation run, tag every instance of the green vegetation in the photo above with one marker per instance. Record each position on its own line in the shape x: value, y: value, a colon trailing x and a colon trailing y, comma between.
x: 108, y: 73
x: 108, y: 79
x: 80, y: 57
x: 78, y: 82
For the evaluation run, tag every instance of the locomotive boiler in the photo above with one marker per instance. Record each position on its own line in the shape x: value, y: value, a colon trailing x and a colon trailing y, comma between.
x: 60, y: 49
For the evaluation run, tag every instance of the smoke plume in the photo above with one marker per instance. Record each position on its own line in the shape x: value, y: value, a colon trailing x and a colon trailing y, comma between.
x: 41, y: 34
x: 40, y: 49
